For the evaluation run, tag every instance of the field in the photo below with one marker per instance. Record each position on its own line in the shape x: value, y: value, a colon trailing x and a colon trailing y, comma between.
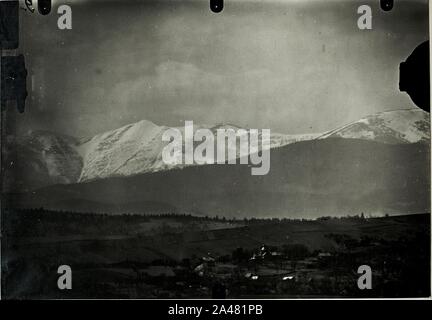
x: 182, y: 256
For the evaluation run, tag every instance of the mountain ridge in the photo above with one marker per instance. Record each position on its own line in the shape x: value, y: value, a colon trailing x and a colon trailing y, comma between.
x: 136, y: 148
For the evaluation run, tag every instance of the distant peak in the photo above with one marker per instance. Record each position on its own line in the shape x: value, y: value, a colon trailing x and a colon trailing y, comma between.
x: 393, y: 126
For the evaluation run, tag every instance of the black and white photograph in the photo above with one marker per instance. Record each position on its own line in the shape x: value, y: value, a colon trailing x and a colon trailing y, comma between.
x: 209, y: 149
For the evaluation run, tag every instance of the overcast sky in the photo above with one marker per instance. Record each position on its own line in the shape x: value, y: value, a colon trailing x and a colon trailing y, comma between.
x: 291, y: 66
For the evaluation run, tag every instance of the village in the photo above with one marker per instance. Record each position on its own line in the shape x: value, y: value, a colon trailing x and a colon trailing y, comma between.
x: 171, y: 256
x: 290, y: 271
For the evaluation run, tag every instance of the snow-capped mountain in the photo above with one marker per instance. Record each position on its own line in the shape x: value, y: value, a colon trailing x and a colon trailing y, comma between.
x: 137, y: 148
x: 398, y: 126
x: 134, y: 148
x: 43, y: 158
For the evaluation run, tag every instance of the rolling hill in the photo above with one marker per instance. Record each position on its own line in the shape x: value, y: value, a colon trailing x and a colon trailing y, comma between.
x: 333, y: 176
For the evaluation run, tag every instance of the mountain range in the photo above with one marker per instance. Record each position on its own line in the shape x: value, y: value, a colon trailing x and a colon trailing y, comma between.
x: 378, y: 164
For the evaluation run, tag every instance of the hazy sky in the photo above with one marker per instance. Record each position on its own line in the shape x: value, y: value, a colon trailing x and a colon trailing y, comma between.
x: 291, y: 66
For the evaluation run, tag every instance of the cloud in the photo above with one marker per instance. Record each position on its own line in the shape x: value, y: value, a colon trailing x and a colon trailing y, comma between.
x: 293, y: 69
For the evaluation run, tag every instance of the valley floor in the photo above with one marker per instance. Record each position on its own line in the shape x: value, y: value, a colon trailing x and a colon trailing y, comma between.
x: 172, y: 256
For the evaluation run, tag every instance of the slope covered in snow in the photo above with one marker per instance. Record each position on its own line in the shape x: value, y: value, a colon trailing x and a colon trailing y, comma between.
x: 131, y: 149
x: 398, y: 126
x: 137, y: 148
